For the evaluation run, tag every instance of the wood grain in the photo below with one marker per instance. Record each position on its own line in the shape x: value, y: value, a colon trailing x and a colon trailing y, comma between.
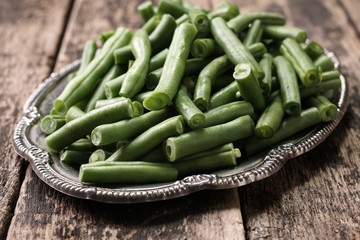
x: 352, y: 9
x: 317, y: 195
x: 30, y: 33
x: 43, y: 213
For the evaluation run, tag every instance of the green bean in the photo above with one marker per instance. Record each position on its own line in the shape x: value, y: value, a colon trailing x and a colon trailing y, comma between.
x: 257, y: 49
x: 158, y: 60
x: 254, y: 34
x: 142, y: 96
x: 329, y: 75
x: 151, y: 24
x: 186, y: 107
x: 135, y: 77
x: 314, y: 50
x: 266, y: 65
x: 80, y: 87
x: 99, y: 93
x: 161, y: 37
x: 327, y: 109
x: 288, y: 85
x: 88, y: 55
x: 73, y: 113
x: 171, y: 7
x: 127, y: 129
x: 193, y: 66
x: 82, y: 145
x: 249, y: 86
x: 81, y: 126
x: 205, y: 47
x: 302, y: 63
x: 105, y: 102
x: 189, y: 82
x: 138, y: 109
x: 234, y: 49
x: 53, y: 111
x: 199, y: 18
x: 127, y: 172
x: 206, y: 78
x: 270, y: 119
x: 146, y: 10
x: 51, y: 123
x: 155, y: 155
x: 99, y: 155
x: 325, y: 63
x: 123, y: 55
x: 207, y: 163
x: 206, y: 138
x: 225, y: 12
x: 289, y: 126
x: 173, y: 68
x: 105, y: 36
x: 149, y: 139
x: 282, y: 32
x: 153, y: 78
x: 72, y: 157
x: 184, y: 18
x: 112, y: 87
x: 242, y: 21
x: 227, y: 112
x: 223, y: 96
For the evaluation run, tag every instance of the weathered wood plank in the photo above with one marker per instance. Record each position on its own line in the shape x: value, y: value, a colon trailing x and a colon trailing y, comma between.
x: 44, y: 213
x: 29, y: 34
x: 352, y: 9
x: 315, y: 196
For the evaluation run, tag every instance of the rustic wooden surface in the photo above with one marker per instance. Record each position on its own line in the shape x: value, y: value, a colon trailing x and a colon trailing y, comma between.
x: 315, y: 196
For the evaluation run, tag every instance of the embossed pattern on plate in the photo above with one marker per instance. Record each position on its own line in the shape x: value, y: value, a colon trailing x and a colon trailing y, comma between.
x: 28, y: 142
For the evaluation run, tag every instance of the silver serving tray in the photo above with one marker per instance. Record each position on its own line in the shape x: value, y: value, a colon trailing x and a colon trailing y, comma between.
x: 28, y: 141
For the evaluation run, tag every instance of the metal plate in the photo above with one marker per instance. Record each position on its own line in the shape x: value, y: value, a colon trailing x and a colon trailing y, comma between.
x: 28, y: 141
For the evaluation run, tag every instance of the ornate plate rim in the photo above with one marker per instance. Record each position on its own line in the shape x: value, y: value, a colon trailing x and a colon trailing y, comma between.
x: 272, y: 161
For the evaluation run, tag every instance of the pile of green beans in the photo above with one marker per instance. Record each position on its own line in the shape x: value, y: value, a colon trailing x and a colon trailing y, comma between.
x: 177, y: 96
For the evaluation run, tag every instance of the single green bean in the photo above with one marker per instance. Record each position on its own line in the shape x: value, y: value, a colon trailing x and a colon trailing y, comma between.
x: 158, y: 60
x: 225, y: 12
x: 254, y: 34
x: 309, y: 75
x: 325, y: 63
x: 73, y: 113
x: 72, y: 157
x: 99, y: 155
x: 112, y: 87
x: 146, y: 10
x: 199, y: 18
x: 186, y: 107
x: 105, y: 102
x: 223, y: 96
x: 327, y: 109
x: 127, y: 129
x: 242, y: 21
x: 206, y: 78
x: 329, y: 75
x: 206, y: 138
x: 142, y: 96
x: 249, y: 86
x: 290, y: 92
x: 270, y: 119
x: 257, y: 49
x: 123, y: 55
x: 82, y: 145
x: 151, y: 24
x: 149, y: 139
x: 81, y: 126
x: 205, y: 47
x: 87, y: 55
x: 99, y: 93
x: 189, y: 82
x: 171, y: 7
x: 173, y: 68
x: 80, y: 87
x: 105, y: 36
x: 314, y: 50
x: 51, y: 123
x: 138, y: 109
x: 289, y: 126
x: 183, y: 19
x: 127, y: 172
x: 161, y: 37
x: 227, y: 112
x: 282, y: 32
x: 266, y: 65
x: 153, y: 78
x: 135, y: 77
x: 233, y: 47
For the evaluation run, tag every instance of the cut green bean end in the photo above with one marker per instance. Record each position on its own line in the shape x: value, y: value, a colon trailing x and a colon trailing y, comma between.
x: 292, y: 108
x: 48, y: 125
x: 264, y: 131
x: 156, y: 101
x: 60, y: 106
x: 328, y: 112
x: 197, y: 120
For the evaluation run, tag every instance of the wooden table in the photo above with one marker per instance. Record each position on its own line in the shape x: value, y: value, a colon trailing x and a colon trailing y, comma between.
x: 315, y: 196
